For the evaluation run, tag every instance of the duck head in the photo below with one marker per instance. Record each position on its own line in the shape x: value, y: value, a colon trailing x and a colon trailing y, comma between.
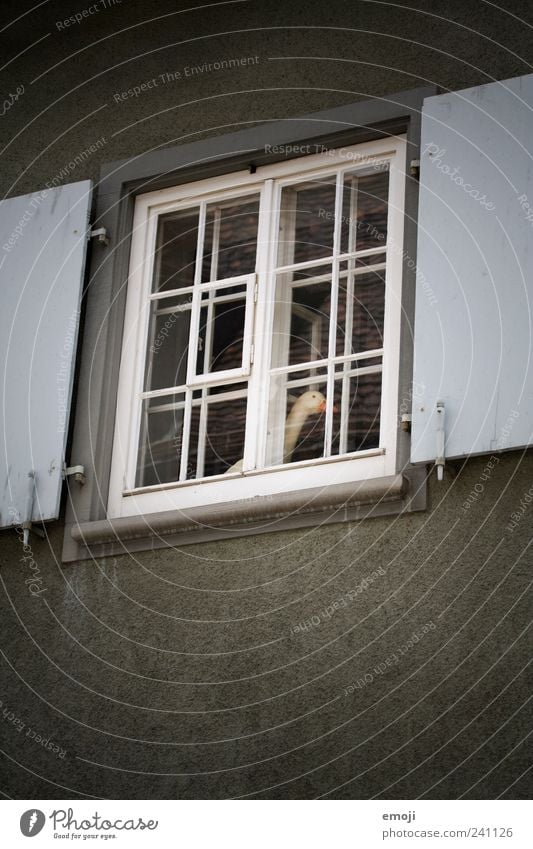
x: 312, y: 402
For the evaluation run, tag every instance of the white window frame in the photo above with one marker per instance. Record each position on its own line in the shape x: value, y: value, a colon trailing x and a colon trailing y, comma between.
x: 127, y: 500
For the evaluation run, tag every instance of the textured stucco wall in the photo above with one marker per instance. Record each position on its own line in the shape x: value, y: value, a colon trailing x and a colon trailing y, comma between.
x: 183, y: 673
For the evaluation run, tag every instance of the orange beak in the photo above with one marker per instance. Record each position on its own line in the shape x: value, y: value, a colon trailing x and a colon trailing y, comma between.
x: 322, y: 407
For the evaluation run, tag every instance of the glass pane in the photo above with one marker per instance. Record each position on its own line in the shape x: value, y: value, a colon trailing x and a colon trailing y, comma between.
x: 296, y: 417
x: 349, y: 368
x: 175, y: 258
x: 161, y: 440
x: 373, y: 259
x: 307, y: 221
x: 218, y: 444
x: 221, y: 331
x: 168, y: 341
x: 364, y: 215
x: 361, y: 309
x: 230, y: 243
x: 224, y: 441
x: 356, y: 416
x: 301, y: 320
x: 194, y: 440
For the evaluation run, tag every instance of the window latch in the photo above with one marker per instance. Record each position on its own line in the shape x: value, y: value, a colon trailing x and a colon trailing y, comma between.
x: 25, y: 522
x: 30, y: 498
x: 441, y: 435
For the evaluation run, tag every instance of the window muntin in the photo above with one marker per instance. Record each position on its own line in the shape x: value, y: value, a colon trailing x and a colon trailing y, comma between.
x: 359, y: 426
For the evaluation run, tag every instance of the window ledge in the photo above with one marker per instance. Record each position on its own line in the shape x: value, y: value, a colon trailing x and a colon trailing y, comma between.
x: 260, y: 514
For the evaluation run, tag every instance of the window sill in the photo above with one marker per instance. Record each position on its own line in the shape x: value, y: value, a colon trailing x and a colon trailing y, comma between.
x: 393, y: 494
x: 316, y: 462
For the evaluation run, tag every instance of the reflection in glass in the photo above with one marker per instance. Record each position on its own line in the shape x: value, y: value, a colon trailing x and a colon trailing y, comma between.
x: 230, y: 243
x: 301, y: 320
x: 215, y: 442
x: 364, y: 210
x: 168, y: 341
x: 356, y: 417
x: 176, y: 244
x: 307, y: 221
x: 309, y: 330
x: 224, y: 439
x: 361, y: 309
x: 221, y: 330
x: 218, y: 426
x: 161, y: 440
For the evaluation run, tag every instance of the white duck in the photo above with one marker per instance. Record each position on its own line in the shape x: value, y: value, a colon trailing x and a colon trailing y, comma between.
x: 308, y: 404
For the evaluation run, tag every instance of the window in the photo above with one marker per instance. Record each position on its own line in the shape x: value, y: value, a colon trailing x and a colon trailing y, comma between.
x: 261, y: 341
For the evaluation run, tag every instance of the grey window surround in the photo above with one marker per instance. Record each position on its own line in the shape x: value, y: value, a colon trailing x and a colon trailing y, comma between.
x: 88, y: 532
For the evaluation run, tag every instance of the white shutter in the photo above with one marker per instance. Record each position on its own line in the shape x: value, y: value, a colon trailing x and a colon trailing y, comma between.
x: 473, y: 327
x: 43, y: 243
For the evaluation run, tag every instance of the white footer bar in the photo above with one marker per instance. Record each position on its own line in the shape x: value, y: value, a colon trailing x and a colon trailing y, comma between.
x: 268, y: 824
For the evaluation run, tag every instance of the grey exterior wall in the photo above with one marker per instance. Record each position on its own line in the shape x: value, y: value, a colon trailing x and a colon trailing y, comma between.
x: 187, y: 673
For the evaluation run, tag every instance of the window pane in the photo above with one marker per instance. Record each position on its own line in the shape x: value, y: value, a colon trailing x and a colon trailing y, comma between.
x: 301, y: 319
x: 224, y: 442
x: 356, y: 416
x: 217, y: 443
x: 168, y: 341
x: 361, y: 309
x: 161, y: 440
x: 221, y: 331
x: 364, y: 214
x: 216, y: 437
x: 307, y: 221
x: 230, y: 243
x: 296, y: 416
x: 177, y: 237
x: 373, y: 259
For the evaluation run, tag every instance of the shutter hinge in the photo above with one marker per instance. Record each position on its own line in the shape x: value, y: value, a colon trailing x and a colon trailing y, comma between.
x: 100, y: 234
x: 414, y: 168
x: 406, y: 420
x: 77, y: 472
